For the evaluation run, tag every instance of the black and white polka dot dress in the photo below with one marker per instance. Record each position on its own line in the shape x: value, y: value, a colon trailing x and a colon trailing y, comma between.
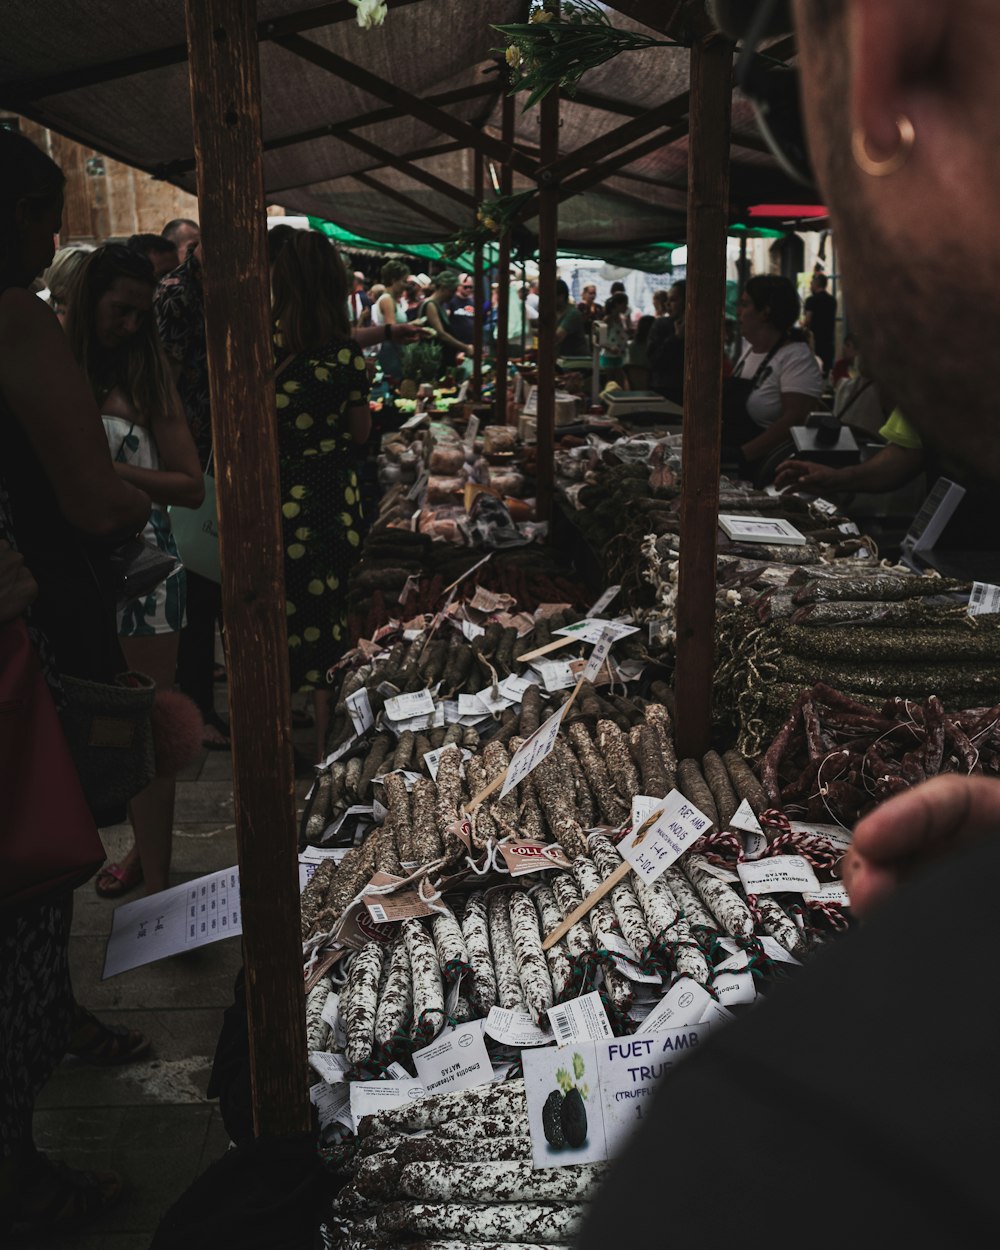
x: 320, y: 501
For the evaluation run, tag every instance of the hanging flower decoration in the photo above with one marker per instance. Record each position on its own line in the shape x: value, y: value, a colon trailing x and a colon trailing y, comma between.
x: 371, y: 13
x: 550, y: 51
x: 493, y: 218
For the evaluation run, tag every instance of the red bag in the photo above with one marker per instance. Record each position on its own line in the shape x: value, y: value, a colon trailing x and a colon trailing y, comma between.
x: 48, y: 840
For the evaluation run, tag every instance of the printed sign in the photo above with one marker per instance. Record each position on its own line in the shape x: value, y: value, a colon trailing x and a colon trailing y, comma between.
x: 455, y: 1060
x: 599, y: 654
x: 525, y: 855
x: 678, y: 826
x: 590, y: 630
x: 530, y: 753
x: 777, y: 875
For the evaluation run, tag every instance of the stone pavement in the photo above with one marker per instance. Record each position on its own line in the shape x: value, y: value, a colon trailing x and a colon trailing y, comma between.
x: 149, y: 1120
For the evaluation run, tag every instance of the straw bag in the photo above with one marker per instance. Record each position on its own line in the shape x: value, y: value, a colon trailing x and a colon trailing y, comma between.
x: 48, y: 840
x: 196, y: 533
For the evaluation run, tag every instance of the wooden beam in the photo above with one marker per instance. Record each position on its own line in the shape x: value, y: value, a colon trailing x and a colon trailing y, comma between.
x: 440, y: 149
x: 404, y: 166
x: 708, y: 205
x: 502, y: 358
x: 591, y: 99
x: 225, y: 112
x: 159, y: 58
x: 665, y: 16
x: 413, y: 205
x: 548, y: 229
x: 614, y: 140
x: 478, y: 184
x: 398, y: 98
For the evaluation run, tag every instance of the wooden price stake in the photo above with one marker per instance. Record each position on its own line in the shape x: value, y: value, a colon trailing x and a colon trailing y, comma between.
x: 619, y: 874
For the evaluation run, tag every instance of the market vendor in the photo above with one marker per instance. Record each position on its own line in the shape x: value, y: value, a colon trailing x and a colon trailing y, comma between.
x: 435, y: 309
x: 571, y: 332
x: 777, y: 380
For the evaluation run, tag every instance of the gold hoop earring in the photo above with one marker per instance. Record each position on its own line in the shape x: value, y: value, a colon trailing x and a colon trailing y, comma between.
x: 892, y: 164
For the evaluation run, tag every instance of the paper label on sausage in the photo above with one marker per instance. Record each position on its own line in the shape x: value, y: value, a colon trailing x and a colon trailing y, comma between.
x: 773, y: 949
x: 525, y: 855
x: 531, y: 752
x: 360, y: 707
x: 984, y: 600
x: 408, y: 706
x: 515, y: 1028
x: 778, y: 874
x: 332, y: 1103
x: 745, y: 820
x: 371, y: 1097
x: 599, y: 655
x: 832, y: 892
x: 332, y: 1068
x: 678, y: 826
x: 734, y: 988
x: 433, y: 760
x: 455, y: 1060
x: 684, y: 1003
x: 580, y: 1020
x: 398, y: 905
x: 555, y: 674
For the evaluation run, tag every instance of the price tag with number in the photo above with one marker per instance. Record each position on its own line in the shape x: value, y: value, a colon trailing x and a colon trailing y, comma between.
x: 651, y: 851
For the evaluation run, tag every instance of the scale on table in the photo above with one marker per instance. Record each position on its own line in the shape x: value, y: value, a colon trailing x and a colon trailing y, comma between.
x: 622, y: 404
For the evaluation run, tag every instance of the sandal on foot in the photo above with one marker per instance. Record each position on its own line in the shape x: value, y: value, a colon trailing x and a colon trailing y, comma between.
x: 116, y: 879
x: 93, y: 1041
x: 56, y: 1196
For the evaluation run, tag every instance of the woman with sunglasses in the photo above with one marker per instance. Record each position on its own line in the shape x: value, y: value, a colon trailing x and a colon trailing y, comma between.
x: 113, y: 335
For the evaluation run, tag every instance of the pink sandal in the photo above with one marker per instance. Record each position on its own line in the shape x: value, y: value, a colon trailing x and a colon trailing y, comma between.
x: 115, y: 880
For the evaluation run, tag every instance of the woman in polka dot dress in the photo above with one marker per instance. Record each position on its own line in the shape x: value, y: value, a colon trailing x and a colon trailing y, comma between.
x: 321, y: 391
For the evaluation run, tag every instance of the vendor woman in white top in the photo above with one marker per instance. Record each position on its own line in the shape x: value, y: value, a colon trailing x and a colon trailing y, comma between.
x: 777, y: 380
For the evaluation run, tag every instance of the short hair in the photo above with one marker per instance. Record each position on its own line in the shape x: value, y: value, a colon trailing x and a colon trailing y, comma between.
x: 778, y: 296
x: 173, y: 228
x: 561, y: 289
x: 446, y: 280
x: 821, y: 280
x: 616, y: 287
x: 151, y: 243
x: 393, y: 270
x: 643, y: 327
x: 680, y: 286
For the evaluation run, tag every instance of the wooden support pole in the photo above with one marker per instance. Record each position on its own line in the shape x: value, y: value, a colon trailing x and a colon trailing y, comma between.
x: 548, y: 227
x: 502, y: 360
x: 225, y: 109
x: 704, y: 339
x: 477, y: 284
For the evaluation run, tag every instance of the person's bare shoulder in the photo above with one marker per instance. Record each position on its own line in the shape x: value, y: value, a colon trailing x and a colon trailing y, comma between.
x: 24, y: 318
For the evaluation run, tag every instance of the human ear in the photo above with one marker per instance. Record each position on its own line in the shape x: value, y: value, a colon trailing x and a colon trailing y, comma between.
x: 895, y: 50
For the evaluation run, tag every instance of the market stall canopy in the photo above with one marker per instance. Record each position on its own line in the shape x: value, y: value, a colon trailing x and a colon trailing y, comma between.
x: 375, y: 129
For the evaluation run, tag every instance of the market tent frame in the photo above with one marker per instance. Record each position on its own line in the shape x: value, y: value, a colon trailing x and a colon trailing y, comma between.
x: 255, y: 130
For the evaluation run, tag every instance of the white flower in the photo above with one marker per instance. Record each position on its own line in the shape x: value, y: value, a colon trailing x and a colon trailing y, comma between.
x: 370, y: 12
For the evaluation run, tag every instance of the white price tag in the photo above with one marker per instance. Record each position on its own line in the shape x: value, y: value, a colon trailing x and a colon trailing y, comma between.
x: 683, y: 1004
x: 734, y: 988
x: 409, y: 706
x: 580, y: 1020
x: 836, y: 834
x: 599, y: 654
x: 984, y: 600
x: 456, y: 1060
x: 471, y: 430
x: 773, y: 949
x: 515, y: 1028
x: 716, y: 1014
x: 848, y: 527
x: 825, y: 506
x: 604, y: 602
x: 472, y: 631
x: 514, y: 688
x: 433, y: 758
x: 833, y: 892
x: 678, y: 826
x: 371, y: 1097
x: 332, y: 1103
x: 341, y: 751
x: 471, y: 705
x: 332, y: 1068
x: 777, y: 875
x: 589, y: 630
x: 530, y: 753
x: 491, y: 702
x: 360, y: 707
x: 745, y: 820
x: 555, y: 674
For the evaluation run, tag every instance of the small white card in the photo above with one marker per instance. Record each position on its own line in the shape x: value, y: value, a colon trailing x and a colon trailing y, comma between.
x: 530, y: 753
x: 643, y: 806
x: 984, y: 600
x: 455, y: 1060
x: 555, y: 674
x: 745, y: 820
x: 773, y: 949
x: 678, y: 826
x: 332, y: 1103
x: 604, y: 602
x: 834, y: 892
x: 433, y: 758
x: 590, y: 630
x: 515, y: 1028
x: 360, y: 707
x: 371, y: 1097
x: 684, y: 1003
x: 410, y: 706
x: 777, y: 875
x: 599, y: 654
x: 734, y: 988
x: 580, y: 1020
x: 332, y: 1068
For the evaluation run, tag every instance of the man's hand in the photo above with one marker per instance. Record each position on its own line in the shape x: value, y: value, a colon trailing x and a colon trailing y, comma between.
x: 18, y: 589
x: 803, y: 475
x: 406, y: 332
x: 912, y: 830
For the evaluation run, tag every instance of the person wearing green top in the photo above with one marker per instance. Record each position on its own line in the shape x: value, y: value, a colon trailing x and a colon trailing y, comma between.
x: 571, y: 333
x: 897, y: 463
